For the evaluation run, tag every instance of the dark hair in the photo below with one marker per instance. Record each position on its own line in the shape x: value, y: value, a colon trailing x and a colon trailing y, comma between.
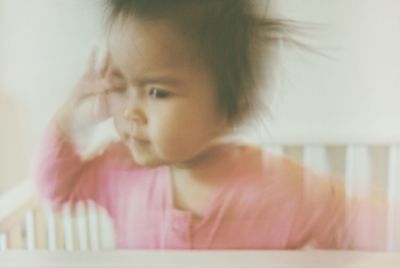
x: 230, y: 36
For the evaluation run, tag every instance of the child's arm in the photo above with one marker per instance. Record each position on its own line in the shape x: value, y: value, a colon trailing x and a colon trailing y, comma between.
x: 88, y: 105
x: 348, y: 223
x: 62, y: 174
x: 332, y: 220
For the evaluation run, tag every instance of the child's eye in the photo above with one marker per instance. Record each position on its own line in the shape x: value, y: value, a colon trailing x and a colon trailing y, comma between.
x: 159, y: 93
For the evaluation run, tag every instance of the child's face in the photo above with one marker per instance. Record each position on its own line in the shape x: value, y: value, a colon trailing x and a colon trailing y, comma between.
x: 166, y: 98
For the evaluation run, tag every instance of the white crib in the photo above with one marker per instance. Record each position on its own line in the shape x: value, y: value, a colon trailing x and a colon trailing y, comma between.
x: 27, y: 225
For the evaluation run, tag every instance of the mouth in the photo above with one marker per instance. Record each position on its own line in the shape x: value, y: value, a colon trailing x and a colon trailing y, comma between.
x: 139, y: 140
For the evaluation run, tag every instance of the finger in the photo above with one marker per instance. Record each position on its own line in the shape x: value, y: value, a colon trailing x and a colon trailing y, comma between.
x: 104, y: 106
x: 85, y: 94
x: 85, y: 88
x: 91, y: 64
x: 90, y: 89
x: 105, y: 64
x: 101, y: 108
x: 102, y: 86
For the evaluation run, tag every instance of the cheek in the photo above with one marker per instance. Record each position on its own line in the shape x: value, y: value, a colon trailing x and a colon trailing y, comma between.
x: 182, y: 131
x: 187, y: 121
x: 116, y: 102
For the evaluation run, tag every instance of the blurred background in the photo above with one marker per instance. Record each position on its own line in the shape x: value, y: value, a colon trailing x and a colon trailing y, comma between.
x: 351, y: 96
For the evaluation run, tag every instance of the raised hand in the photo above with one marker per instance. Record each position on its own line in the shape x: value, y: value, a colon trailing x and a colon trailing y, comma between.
x: 88, y: 104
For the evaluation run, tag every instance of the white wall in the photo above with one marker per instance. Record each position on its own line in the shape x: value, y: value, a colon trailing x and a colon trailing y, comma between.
x: 355, y: 95
x: 44, y: 46
x: 351, y: 97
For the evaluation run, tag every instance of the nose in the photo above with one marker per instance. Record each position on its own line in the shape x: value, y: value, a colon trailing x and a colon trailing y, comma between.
x: 134, y: 111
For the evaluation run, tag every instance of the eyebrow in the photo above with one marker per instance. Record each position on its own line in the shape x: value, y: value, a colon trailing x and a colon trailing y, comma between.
x: 155, y: 78
x: 159, y: 79
x: 152, y: 78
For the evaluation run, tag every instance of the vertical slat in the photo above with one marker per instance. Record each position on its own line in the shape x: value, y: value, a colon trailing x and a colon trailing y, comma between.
x: 40, y: 228
x: 337, y: 164
x: 93, y: 225
x: 315, y: 159
x: 81, y: 225
x: 315, y: 156
x: 29, y: 230
x: 60, y: 233
x: 15, y: 237
x: 394, y: 198
x: 379, y: 155
x: 3, y: 242
x: 350, y: 155
x: 106, y: 230
x: 51, y: 227
x: 68, y: 227
x: 357, y: 171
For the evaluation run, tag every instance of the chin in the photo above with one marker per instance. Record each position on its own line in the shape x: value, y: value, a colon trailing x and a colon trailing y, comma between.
x: 146, y: 162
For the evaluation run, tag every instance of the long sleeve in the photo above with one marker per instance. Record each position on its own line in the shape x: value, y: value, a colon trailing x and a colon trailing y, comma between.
x: 326, y: 217
x: 329, y: 219
x: 62, y: 176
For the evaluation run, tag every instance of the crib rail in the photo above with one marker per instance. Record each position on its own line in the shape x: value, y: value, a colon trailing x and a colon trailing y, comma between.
x: 13, y: 206
x: 215, y: 259
x: 26, y: 224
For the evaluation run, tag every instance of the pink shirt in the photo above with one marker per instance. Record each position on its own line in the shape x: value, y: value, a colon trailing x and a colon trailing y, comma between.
x: 264, y: 205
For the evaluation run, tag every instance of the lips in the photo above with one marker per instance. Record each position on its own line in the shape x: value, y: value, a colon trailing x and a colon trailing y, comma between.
x: 139, y: 139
